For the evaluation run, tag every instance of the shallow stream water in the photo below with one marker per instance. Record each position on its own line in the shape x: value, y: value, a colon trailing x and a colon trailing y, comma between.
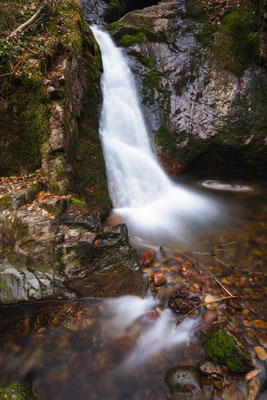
x: 121, y: 348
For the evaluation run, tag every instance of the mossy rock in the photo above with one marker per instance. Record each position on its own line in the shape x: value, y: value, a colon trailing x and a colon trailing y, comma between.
x: 16, y: 391
x: 224, y: 348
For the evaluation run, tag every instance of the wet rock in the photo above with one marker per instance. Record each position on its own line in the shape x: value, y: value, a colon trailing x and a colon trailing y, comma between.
x: 16, y: 391
x: 209, y: 316
x: 253, y: 389
x: 110, y: 268
x: 252, y: 374
x: 209, y: 299
x: 224, y: 348
x: 159, y: 278
x: 183, y: 380
x: 208, y: 368
x: 229, y: 393
x: 189, y: 75
x: 183, y: 300
x: 90, y: 221
x: 149, y: 318
x: 148, y: 256
x: 261, y: 353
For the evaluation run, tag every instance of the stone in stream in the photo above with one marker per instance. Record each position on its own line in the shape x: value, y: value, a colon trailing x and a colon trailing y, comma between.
x: 183, y: 379
x: 148, y: 256
x: 159, y: 278
x: 224, y: 348
x: 183, y: 300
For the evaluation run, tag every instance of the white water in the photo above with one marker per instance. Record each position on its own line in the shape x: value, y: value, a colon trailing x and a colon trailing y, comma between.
x: 162, y: 333
x: 141, y: 192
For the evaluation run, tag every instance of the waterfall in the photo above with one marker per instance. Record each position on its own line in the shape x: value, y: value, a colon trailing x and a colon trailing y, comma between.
x: 142, y: 194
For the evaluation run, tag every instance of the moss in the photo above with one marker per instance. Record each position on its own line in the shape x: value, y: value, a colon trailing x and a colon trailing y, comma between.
x: 165, y: 138
x: 16, y: 391
x: 146, y: 61
x: 88, y: 160
x: 78, y: 202
x: 236, y: 45
x: 224, y: 348
x: 5, y: 200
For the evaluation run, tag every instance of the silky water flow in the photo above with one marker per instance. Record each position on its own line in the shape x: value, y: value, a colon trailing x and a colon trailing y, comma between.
x: 144, y: 197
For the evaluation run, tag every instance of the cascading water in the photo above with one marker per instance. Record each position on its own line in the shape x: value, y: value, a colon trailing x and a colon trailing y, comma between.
x: 141, y: 192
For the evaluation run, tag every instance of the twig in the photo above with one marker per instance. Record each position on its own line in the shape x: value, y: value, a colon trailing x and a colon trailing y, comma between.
x: 206, y: 269
x: 12, y: 72
x: 26, y: 24
x: 204, y: 304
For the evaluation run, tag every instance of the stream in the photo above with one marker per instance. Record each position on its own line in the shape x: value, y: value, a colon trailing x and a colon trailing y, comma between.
x: 121, y: 348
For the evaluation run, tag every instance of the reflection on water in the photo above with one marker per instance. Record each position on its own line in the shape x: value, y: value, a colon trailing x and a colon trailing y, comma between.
x: 84, y: 349
x: 120, y: 349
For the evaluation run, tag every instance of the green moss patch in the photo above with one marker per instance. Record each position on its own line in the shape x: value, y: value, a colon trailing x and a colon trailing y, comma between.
x: 224, y: 348
x: 236, y: 45
x: 16, y: 391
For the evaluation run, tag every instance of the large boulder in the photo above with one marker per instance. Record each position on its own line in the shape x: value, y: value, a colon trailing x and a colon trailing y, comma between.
x: 54, y: 248
x: 202, y: 91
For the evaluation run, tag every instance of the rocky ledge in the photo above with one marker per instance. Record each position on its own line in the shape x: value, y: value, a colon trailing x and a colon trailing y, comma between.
x: 53, y: 246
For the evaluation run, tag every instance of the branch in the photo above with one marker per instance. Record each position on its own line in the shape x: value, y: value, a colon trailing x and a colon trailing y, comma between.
x: 26, y: 24
x: 204, y: 304
x: 14, y: 69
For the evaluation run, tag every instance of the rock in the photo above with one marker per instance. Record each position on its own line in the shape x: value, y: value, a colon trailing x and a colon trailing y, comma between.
x: 229, y: 393
x: 149, y: 318
x: 148, y: 256
x: 251, y: 374
x: 262, y: 339
x: 110, y: 267
x: 253, y: 389
x: 208, y: 368
x: 89, y: 221
x: 194, y: 96
x: 16, y: 391
x: 159, y: 278
x: 261, y: 353
x: 209, y: 298
x: 209, y: 316
x: 224, y: 348
x: 258, y: 323
x: 183, y: 379
x: 183, y: 300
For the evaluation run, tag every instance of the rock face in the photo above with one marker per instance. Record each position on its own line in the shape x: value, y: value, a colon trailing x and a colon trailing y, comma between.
x: 49, y: 118
x: 224, y: 348
x: 53, y: 248
x: 203, y: 100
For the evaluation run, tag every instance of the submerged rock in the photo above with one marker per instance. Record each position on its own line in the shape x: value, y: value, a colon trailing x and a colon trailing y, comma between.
x: 183, y: 379
x: 224, y: 348
x: 183, y: 300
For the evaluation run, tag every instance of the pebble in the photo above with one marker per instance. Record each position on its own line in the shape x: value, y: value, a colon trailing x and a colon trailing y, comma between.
x: 209, y: 298
x: 159, y: 278
x: 261, y: 353
x: 148, y: 256
x: 251, y: 374
x: 209, y: 316
x: 253, y: 389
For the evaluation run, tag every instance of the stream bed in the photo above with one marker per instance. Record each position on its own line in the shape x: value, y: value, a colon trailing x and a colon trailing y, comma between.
x: 121, y: 348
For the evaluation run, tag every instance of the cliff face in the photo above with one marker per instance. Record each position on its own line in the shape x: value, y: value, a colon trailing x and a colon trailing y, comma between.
x: 201, y: 80
x: 50, y: 100
x: 52, y: 244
